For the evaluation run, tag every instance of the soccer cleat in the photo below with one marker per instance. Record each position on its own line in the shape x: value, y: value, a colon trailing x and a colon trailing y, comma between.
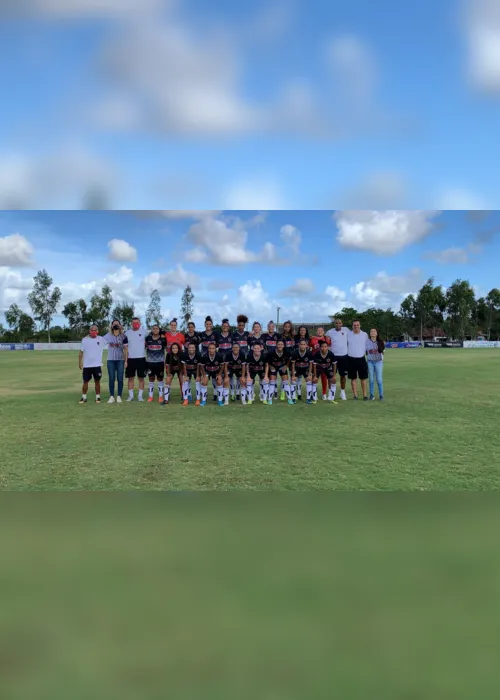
x: 119, y: 399
x: 220, y: 403
x: 282, y: 396
x: 315, y: 401
x: 130, y: 398
x: 185, y: 402
x: 161, y: 399
x: 334, y: 403
x: 82, y: 400
x: 197, y: 402
x: 355, y: 398
x: 290, y: 402
x: 140, y: 399
x: 214, y: 398
x: 299, y: 397
x: 324, y: 397
x: 365, y: 398
x: 249, y: 402
x: 165, y: 403
x: 203, y: 403
x: 372, y: 398
x: 309, y: 401
x: 150, y: 399
x: 226, y: 401
x: 98, y: 400
x: 233, y: 398
x: 343, y: 396
x: 276, y: 395
x: 111, y: 399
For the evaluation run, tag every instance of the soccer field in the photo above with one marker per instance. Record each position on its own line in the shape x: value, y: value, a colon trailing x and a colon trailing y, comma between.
x: 435, y: 431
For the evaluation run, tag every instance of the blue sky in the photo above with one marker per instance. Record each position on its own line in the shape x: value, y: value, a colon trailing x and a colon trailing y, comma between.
x: 236, y: 105
x: 310, y: 263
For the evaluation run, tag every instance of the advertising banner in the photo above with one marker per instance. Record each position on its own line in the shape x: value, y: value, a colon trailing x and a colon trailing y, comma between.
x: 481, y: 344
x: 444, y: 344
x: 17, y: 346
x: 57, y: 346
x: 411, y: 344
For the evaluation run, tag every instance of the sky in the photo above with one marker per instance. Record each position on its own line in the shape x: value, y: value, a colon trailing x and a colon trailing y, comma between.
x: 171, y: 104
x: 309, y: 263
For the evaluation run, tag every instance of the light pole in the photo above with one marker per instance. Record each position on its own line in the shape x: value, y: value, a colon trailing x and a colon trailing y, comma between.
x: 278, y: 317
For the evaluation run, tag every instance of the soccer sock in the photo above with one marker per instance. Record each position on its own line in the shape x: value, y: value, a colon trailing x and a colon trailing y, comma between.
x: 131, y: 393
x: 324, y: 384
x: 204, y: 392
x: 84, y: 396
x: 261, y: 390
x: 167, y: 393
x: 294, y: 390
x: 98, y: 396
x: 233, y: 385
x: 299, y: 387
x: 198, y: 390
x: 214, y: 385
x: 151, y: 389
x: 333, y: 391
x: 250, y: 392
x: 272, y: 390
x: 243, y: 396
x: 265, y: 389
x: 286, y: 388
x: 220, y: 393
x: 141, y: 392
x: 309, y: 387
x: 185, y: 390
x: 161, y: 388
x: 315, y: 392
x: 226, y: 393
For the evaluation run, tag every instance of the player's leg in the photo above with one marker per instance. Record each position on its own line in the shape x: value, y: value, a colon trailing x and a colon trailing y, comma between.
x: 168, y: 386
x: 112, y: 372
x: 225, y: 389
x: 285, y: 383
x: 85, y: 386
x: 250, y: 389
x: 309, y: 388
x: 160, y: 375
x: 324, y: 386
x: 379, y: 370
x: 198, y: 387
x: 298, y: 388
x: 371, y: 380
x: 332, y: 381
x: 342, y: 369
x: 363, y: 375
x: 214, y: 387
x: 151, y: 384
x: 97, y: 381
x: 186, y: 385
x: 130, y: 374
x: 272, y: 391
x: 204, y: 389
x: 353, y: 376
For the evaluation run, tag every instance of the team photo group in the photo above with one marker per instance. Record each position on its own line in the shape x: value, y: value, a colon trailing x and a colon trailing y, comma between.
x: 232, y: 361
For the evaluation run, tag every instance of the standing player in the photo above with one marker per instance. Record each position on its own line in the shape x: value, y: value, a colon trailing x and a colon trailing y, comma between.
x: 256, y: 336
x: 173, y: 367
x: 303, y: 334
x: 302, y: 368
x: 206, y: 337
x: 235, y: 370
x: 90, y: 362
x: 279, y: 361
x: 191, y: 336
x: 325, y: 363
x: 270, y: 339
x: 224, y: 338
x: 174, y: 336
x: 240, y: 334
x: 136, y: 362
x: 155, y: 358
x: 257, y: 366
x: 212, y: 367
x: 338, y: 336
x: 191, y: 370
x: 315, y: 343
x: 358, y: 366
x: 288, y: 337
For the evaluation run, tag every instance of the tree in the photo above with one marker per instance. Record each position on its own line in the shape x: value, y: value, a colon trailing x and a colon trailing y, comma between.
x: 2, y: 331
x: 124, y: 313
x: 100, y: 308
x: 460, y: 307
x: 187, y: 309
x: 429, y: 306
x: 153, y: 312
x: 20, y: 322
x: 77, y: 314
x: 493, y: 303
x: 44, y: 301
x: 347, y: 315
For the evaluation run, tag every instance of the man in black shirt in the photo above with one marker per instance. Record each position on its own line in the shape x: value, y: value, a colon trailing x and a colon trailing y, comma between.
x: 235, y: 371
x: 257, y: 366
x: 212, y: 367
x: 325, y: 363
x: 302, y: 368
x: 279, y: 361
x: 191, y: 370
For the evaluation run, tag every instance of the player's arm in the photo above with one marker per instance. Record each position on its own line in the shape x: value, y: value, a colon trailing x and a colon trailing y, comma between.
x: 292, y: 369
x: 311, y: 370
x: 244, y: 369
x: 80, y: 359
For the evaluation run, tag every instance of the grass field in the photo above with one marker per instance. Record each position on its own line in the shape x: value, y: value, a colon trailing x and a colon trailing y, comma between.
x: 435, y: 431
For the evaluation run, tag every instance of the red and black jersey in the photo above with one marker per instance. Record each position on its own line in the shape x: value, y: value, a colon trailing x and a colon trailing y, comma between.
x: 155, y: 349
x: 191, y: 363
x: 206, y: 338
x: 302, y: 362
x: 278, y: 363
x: 289, y: 342
x: 270, y: 340
x: 224, y: 342
x: 195, y: 338
x: 324, y: 364
x: 316, y: 340
x: 241, y: 339
x: 256, y: 366
x: 174, y: 363
x: 235, y: 364
x: 253, y: 340
x: 298, y: 339
x: 214, y: 364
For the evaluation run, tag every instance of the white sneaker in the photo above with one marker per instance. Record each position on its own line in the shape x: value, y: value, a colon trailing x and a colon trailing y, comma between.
x: 343, y: 396
x: 118, y: 399
x: 226, y: 402
x: 111, y: 399
x: 325, y: 398
x: 130, y: 398
x: 141, y: 398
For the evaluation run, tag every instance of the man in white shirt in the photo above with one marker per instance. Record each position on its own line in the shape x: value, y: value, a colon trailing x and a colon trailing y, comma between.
x: 90, y: 362
x: 338, y: 335
x: 358, y: 367
x: 136, y: 363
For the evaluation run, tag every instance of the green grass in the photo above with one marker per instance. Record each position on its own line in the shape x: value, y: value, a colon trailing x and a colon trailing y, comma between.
x: 435, y: 431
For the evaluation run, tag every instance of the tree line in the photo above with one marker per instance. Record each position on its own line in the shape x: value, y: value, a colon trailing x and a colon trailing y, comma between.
x: 454, y: 312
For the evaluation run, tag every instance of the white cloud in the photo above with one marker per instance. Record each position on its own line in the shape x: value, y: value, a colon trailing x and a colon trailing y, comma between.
x: 382, y: 232
x: 167, y: 282
x: 220, y: 285
x: 15, y: 251
x: 336, y: 294
x: 451, y: 256
x: 385, y: 290
x: 353, y: 66
x: 482, y: 29
x: 13, y: 288
x: 292, y: 238
x: 254, y: 300
x: 299, y: 288
x: 121, y: 251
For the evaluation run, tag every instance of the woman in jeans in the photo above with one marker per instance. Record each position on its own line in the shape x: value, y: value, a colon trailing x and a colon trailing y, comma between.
x: 375, y: 356
x: 117, y: 344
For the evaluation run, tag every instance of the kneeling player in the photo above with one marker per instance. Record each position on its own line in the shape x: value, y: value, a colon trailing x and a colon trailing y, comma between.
x: 279, y: 361
x: 257, y: 366
x: 191, y: 370
x: 173, y: 367
x: 325, y: 363
x: 212, y: 367
x: 235, y: 365
x: 302, y: 368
